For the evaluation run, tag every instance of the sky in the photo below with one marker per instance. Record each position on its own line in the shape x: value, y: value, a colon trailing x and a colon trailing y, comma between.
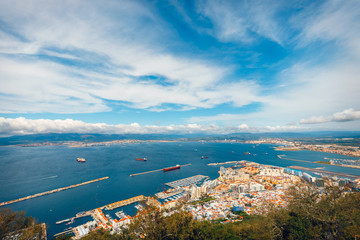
x: 204, y: 66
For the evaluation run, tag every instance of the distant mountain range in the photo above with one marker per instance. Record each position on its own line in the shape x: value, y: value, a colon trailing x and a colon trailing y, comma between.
x: 65, y: 137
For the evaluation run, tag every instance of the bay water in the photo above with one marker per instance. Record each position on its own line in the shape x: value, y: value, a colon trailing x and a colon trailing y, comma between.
x: 28, y: 170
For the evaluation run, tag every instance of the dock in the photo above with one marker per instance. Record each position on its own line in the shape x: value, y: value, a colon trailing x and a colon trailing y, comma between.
x: 324, y: 172
x: 122, y: 203
x: 157, y: 170
x: 51, y: 191
x: 186, y: 181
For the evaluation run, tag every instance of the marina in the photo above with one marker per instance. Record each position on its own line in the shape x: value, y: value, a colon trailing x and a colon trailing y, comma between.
x: 186, y: 181
x: 168, y: 194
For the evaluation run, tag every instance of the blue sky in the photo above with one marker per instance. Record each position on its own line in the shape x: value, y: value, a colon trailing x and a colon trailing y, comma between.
x: 179, y: 66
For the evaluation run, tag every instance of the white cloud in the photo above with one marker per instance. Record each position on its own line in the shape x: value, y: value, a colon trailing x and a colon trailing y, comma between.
x: 344, y: 116
x: 23, y: 126
x: 104, y: 31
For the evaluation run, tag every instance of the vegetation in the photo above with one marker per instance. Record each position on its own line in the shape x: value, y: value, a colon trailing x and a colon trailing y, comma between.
x: 19, y: 225
x: 332, y: 214
x: 203, y: 200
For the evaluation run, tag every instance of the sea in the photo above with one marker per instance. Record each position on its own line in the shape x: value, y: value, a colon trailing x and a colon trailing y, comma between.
x: 29, y: 170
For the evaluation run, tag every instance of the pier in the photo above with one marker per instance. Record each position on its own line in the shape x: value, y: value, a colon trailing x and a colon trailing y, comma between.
x: 118, y: 204
x: 157, y: 170
x: 324, y: 172
x: 51, y: 191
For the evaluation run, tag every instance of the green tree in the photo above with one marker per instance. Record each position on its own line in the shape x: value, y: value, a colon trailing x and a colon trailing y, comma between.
x: 311, y: 214
x: 18, y: 223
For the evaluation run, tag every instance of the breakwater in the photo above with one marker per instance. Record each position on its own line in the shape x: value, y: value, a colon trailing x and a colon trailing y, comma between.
x: 51, y: 191
x: 125, y: 202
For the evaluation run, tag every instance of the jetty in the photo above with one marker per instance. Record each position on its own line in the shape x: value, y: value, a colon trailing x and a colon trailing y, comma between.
x: 122, y: 203
x: 157, y: 170
x: 339, y: 174
x: 51, y: 191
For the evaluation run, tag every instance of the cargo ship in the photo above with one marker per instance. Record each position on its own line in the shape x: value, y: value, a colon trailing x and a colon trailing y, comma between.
x: 171, y: 168
x: 204, y: 157
x: 246, y: 153
x: 81, y: 160
x: 141, y: 159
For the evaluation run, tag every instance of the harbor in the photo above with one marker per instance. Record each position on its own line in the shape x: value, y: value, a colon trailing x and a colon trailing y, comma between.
x: 51, y: 191
x: 157, y: 170
x: 51, y: 208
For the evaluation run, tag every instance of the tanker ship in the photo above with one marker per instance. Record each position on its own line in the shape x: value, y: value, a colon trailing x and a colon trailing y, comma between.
x: 171, y: 168
x: 141, y: 159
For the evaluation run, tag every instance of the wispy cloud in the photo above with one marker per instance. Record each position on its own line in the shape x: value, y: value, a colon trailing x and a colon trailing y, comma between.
x: 239, y: 20
x: 344, y: 116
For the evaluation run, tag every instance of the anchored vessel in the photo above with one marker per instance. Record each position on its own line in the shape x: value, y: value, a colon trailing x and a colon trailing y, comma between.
x: 171, y: 168
x: 82, y: 160
x: 141, y: 159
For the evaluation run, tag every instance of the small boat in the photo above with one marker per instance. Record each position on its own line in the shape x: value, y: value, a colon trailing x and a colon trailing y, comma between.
x: 81, y: 160
x: 141, y: 159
